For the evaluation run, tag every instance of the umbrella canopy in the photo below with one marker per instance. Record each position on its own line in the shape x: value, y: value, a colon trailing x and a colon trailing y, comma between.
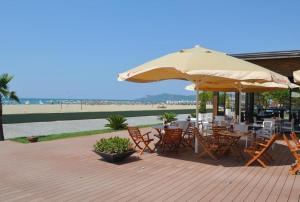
x: 297, y: 76
x: 201, y: 65
x: 241, y: 87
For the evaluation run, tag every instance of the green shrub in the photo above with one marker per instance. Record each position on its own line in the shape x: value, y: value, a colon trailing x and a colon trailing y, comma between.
x: 193, y: 115
x: 116, y: 122
x: 168, y: 116
x: 113, y: 145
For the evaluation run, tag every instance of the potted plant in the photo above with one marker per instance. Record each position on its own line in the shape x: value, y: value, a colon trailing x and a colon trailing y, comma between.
x: 114, y: 149
x: 33, y: 139
x: 116, y: 122
x: 168, y: 117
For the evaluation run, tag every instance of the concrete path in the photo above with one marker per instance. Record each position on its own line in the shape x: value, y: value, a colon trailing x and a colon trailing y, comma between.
x: 55, y: 127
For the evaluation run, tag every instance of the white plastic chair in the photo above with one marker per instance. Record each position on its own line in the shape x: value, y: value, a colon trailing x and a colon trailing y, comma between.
x: 182, y: 124
x: 287, y: 126
x: 266, y: 131
x: 219, y: 119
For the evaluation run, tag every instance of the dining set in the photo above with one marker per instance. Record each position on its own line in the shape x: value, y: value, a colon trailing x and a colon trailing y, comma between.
x: 222, y: 141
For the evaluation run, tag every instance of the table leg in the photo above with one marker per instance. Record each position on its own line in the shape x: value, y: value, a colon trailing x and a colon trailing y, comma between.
x: 158, y: 144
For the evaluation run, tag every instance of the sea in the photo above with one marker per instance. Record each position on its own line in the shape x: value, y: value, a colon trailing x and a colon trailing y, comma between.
x: 52, y: 101
x: 42, y: 101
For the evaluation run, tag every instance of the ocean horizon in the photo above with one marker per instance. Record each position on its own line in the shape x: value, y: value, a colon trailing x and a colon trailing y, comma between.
x: 41, y: 101
x: 55, y: 101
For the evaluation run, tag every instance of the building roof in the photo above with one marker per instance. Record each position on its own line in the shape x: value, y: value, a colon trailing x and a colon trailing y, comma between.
x: 268, y: 55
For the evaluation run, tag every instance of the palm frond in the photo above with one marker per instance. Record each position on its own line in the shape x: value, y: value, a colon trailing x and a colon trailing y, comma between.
x: 13, y: 96
x: 4, y: 80
x: 4, y: 92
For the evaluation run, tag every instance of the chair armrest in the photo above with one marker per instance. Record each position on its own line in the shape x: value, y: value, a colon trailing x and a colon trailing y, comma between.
x: 295, y: 150
x: 147, y: 134
x: 261, y: 144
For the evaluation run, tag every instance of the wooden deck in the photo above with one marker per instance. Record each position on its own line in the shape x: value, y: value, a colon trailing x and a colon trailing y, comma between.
x: 68, y: 170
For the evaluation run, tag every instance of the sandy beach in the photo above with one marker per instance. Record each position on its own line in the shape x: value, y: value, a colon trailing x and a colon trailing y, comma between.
x: 56, y: 108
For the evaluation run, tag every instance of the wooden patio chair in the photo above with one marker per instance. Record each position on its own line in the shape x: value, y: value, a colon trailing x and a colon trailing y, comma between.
x: 295, y: 139
x: 224, y: 140
x: 171, y: 139
x: 232, y: 142
x: 217, y: 129
x: 258, y: 151
x: 188, y: 136
x: 296, y: 153
x: 210, y: 145
x: 141, y: 141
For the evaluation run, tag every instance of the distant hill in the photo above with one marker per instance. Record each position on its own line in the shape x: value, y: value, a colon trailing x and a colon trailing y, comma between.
x: 166, y: 97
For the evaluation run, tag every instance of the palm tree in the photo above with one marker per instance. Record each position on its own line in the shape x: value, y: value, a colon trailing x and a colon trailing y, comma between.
x: 5, y: 93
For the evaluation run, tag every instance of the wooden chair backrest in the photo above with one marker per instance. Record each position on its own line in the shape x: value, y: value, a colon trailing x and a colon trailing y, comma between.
x: 272, y: 140
x: 201, y: 139
x: 189, y: 129
x: 216, y: 130
x: 269, y: 143
x: 292, y: 148
x: 135, y: 133
x: 295, y: 138
x: 172, y: 136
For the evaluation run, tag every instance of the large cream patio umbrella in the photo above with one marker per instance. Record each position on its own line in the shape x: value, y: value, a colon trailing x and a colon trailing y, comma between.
x: 296, y: 75
x: 200, y: 65
x: 243, y: 86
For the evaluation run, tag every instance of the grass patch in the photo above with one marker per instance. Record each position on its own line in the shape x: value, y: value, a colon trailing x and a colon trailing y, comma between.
x: 71, y: 134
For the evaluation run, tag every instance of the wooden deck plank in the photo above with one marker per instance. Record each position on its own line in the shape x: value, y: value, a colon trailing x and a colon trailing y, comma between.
x: 80, y: 181
x: 210, y: 192
x: 256, y: 190
x: 107, y: 186
x: 164, y: 185
x: 195, y: 177
x: 139, y: 180
x: 277, y: 178
x: 241, y: 182
x: 186, y: 185
x: 295, y: 192
x: 67, y: 170
x: 287, y: 188
x: 245, y: 192
x: 206, y: 181
x: 277, y: 188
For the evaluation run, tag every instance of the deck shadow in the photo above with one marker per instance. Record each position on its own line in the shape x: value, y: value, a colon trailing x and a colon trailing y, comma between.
x: 130, y: 159
x: 280, y: 153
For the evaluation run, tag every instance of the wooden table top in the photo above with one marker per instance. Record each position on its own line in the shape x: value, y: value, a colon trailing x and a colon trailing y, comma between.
x: 235, y: 133
x: 162, y: 127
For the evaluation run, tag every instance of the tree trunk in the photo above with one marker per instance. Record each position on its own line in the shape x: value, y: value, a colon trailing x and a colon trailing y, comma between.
x: 1, y: 123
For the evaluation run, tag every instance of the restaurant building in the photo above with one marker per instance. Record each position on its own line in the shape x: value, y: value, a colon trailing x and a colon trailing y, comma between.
x: 282, y: 62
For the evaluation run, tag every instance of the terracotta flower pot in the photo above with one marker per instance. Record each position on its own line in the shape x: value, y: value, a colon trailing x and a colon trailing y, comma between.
x: 113, y: 158
x: 32, y: 139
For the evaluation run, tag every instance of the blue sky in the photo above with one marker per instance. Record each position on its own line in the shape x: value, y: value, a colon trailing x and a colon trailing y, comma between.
x: 75, y: 49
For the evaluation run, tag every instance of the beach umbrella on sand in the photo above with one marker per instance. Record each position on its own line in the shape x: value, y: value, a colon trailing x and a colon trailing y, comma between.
x: 200, y: 65
x: 296, y: 75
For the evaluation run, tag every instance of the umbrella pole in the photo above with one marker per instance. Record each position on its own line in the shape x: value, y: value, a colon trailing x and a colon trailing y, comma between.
x: 240, y: 107
x: 197, y: 120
